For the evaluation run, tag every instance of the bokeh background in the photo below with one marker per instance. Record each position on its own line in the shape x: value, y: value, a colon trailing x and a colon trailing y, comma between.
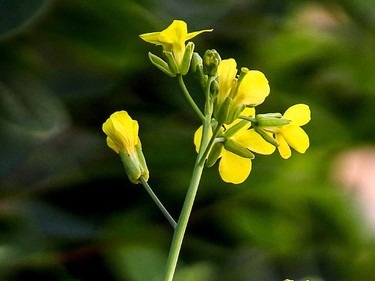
x: 68, y: 211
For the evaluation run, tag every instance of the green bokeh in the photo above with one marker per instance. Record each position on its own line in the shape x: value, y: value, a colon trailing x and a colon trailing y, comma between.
x: 68, y: 211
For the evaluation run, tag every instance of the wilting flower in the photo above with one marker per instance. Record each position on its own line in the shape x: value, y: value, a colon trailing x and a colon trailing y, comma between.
x: 292, y: 135
x: 250, y: 88
x: 235, y: 150
x: 122, y: 137
x: 173, y: 39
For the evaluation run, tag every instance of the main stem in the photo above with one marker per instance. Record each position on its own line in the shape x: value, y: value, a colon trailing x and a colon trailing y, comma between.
x: 182, y: 223
x: 180, y: 230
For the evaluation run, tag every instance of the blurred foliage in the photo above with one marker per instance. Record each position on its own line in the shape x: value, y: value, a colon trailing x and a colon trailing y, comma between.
x: 68, y: 212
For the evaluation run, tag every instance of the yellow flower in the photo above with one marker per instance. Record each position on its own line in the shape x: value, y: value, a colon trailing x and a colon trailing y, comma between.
x: 249, y: 89
x: 173, y: 38
x: 122, y: 137
x: 292, y: 135
x: 234, y: 168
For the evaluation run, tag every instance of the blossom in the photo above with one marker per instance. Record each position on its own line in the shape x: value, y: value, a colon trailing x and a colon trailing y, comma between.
x: 292, y: 135
x: 249, y: 89
x: 173, y: 38
x: 235, y: 166
x: 122, y: 137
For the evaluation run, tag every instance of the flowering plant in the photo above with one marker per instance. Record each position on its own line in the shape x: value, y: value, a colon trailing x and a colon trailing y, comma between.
x: 231, y: 131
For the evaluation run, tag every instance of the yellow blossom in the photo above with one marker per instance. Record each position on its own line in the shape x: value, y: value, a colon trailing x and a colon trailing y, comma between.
x: 292, y: 135
x: 249, y: 89
x: 122, y: 137
x: 234, y: 168
x: 173, y: 38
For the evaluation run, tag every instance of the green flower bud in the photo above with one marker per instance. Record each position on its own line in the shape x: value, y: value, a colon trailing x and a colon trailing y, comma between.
x: 238, y: 149
x: 186, y: 59
x: 161, y: 64
x: 211, y: 61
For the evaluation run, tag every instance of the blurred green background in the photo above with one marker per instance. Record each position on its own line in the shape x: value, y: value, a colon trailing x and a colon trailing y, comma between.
x: 68, y: 211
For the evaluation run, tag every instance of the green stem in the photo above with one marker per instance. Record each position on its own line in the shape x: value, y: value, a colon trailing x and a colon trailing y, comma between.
x: 182, y: 223
x: 158, y: 203
x: 180, y: 230
x: 189, y: 98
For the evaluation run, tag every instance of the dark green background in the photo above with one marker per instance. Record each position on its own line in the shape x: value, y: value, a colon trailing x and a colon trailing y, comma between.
x: 68, y: 211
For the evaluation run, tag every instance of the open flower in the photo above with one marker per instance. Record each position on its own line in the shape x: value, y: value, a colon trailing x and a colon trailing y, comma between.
x: 235, y: 163
x: 122, y: 137
x: 249, y: 89
x: 292, y: 135
x: 173, y: 39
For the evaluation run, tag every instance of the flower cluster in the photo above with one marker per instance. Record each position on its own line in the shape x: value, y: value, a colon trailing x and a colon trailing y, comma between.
x: 229, y: 117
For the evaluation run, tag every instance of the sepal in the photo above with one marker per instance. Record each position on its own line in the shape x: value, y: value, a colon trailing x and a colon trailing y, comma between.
x: 238, y: 149
x: 214, y: 154
x: 266, y: 136
x: 186, y: 59
x: 161, y: 64
x: 271, y: 120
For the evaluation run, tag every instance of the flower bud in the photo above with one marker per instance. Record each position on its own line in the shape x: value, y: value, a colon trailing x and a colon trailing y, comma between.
x: 211, y: 61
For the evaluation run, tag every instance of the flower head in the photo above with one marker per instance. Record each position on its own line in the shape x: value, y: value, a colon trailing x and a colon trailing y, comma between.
x: 292, y: 135
x: 173, y: 39
x: 235, y: 163
x: 250, y: 88
x: 122, y: 137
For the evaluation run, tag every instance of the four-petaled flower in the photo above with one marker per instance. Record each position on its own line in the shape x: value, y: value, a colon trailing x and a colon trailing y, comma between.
x: 249, y: 89
x: 173, y: 39
x: 292, y: 134
x: 234, y: 168
x: 122, y: 137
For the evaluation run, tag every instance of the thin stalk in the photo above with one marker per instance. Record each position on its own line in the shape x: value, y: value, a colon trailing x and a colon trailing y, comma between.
x: 189, y: 98
x: 158, y: 203
x: 187, y: 207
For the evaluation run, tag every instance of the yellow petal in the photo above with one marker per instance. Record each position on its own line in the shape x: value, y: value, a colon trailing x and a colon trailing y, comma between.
x: 197, y: 138
x: 122, y: 131
x: 253, y: 89
x: 299, y: 114
x: 233, y: 168
x: 283, y: 147
x: 195, y: 33
x: 296, y: 137
x: 254, y: 142
x: 227, y: 72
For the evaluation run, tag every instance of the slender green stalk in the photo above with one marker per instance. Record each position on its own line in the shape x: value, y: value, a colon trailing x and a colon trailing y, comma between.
x: 180, y: 230
x: 189, y: 98
x: 158, y: 203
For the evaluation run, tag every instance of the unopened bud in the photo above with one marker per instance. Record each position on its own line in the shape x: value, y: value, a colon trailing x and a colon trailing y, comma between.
x: 211, y: 61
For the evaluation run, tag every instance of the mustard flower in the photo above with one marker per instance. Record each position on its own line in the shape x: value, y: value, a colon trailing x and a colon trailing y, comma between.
x: 122, y: 137
x: 235, y: 164
x: 250, y: 88
x: 173, y: 39
x: 292, y: 135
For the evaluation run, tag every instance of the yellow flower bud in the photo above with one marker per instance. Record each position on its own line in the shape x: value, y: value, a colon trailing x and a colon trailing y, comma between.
x: 122, y: 137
